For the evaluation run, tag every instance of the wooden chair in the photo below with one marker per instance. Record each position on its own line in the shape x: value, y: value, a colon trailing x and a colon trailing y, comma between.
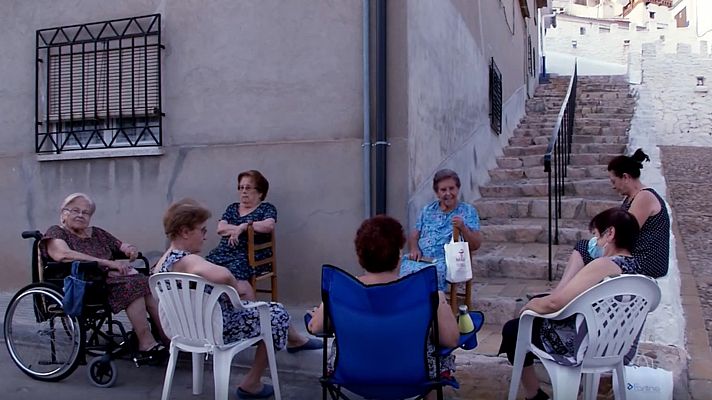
x: 252, y: 249
x: 453, y: 286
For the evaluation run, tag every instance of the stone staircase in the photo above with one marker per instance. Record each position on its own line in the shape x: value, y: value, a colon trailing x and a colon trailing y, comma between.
x: 513, y: 261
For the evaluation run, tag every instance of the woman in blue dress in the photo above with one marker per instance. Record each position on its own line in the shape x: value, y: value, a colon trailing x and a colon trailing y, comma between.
x: 231, y: 252
x: 435, y: 226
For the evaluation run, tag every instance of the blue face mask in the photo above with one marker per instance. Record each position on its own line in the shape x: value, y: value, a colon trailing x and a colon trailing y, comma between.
x: 594, y: 249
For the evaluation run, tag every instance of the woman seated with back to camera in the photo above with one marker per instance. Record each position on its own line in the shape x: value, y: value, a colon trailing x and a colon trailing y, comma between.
x: 378, y: 243
x: 251, y: 210
x: 616, y: 231
x: 75, y: 240
x: 185, y: 225
x: 435, y: 224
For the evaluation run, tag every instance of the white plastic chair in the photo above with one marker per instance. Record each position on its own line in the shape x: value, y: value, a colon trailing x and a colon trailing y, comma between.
x: 193, y: 320
x: 614, y: 311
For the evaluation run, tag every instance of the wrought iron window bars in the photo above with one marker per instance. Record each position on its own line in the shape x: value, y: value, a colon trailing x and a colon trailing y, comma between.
x: 98, y: 85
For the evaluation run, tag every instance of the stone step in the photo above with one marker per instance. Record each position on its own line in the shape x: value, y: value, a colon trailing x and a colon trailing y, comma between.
x: 576, y: 138
x: 582, y: 159
x: 547, y: 129
x: 517, y: 261
x: 540, y: 187
x: 513, y: 151
x: 529, y: 230
x: 552, y: 114
x: 538, y: 207
x: 573, y: 172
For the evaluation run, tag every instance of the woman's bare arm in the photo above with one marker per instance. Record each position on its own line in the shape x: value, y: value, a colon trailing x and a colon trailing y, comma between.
x: 448, y: 331
x: 590, y: 275
x: 644, y: 205
x: 60, y: 251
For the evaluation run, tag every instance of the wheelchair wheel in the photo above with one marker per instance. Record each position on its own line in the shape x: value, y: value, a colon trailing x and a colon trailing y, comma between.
x: 102, y: 371
x: 43, y: 341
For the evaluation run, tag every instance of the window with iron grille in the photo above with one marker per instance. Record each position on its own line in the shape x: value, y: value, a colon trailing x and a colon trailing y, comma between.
x: 530, y: 55
x: 495, y: 96
x: 98, y: 85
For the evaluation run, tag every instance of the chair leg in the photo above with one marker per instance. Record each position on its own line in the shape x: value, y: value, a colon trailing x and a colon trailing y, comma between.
x: 266, y: 327
x: 198, y: 371
x: 221, y: 373
x: 453, y: 297
x: 468, y: 294
x: 170, y: 369
x: 273, y: 282
x: 516, y: 373
x: 590, y: 386
x: 619, y: 392
x: 565, y: 381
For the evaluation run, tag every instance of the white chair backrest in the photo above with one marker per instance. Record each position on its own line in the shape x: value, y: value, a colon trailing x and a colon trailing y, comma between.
x: 189, y: 313
x: 615, y: 311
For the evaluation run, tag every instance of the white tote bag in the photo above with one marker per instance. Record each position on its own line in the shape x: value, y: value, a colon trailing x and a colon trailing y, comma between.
x: 458, y: 261
x: 645, y: 383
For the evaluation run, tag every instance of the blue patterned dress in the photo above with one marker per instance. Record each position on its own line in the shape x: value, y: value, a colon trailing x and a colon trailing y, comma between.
x: 235, y: 258
x: 435, y: 227
x: 245, y: 323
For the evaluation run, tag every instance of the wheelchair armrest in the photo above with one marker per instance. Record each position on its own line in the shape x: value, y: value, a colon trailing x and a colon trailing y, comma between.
x: 143, y: 264
x: 59, y: 270
x: 325, y: 334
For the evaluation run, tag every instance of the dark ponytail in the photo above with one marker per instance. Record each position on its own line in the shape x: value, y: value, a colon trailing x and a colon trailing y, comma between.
x: 630, y: 165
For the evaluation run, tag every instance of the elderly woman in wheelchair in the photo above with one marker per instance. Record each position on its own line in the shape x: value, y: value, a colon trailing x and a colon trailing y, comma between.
x: 616, y: 231
x: 75, y: 240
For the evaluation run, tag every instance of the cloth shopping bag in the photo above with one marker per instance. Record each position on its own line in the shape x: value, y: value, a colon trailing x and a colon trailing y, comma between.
x: 646, y: 383
x: 458, y: 261
x: 74, y: 287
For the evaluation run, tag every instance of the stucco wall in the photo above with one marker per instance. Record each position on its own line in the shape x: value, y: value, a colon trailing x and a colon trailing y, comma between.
x: 670, y: 114
x: 608, y: 45
x: 270, y: 85
x: 450, y: 44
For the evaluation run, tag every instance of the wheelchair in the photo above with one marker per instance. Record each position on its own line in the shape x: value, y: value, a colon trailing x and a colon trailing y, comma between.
x: 47, y: 344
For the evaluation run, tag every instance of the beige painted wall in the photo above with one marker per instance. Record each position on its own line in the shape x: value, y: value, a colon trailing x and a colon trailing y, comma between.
x: 270, y: 85
x: 276, y: 86
x: 449, y: 47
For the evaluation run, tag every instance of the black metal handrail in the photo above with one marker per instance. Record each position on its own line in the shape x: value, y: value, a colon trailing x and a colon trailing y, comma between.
x: 558, y: 156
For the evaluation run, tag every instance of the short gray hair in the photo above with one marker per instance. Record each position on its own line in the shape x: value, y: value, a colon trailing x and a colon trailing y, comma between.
x: 69, y: 199
x: 445, y: 174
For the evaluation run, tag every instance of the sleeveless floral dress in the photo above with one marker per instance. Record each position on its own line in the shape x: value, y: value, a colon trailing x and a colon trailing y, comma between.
x: 244, y: 323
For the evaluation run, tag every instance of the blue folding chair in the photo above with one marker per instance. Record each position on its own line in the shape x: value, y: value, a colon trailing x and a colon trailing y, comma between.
x: 381, y: 333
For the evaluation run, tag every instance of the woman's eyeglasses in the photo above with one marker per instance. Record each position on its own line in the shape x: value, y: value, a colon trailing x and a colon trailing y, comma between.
x: 244, y: 188
x: 77, y: 211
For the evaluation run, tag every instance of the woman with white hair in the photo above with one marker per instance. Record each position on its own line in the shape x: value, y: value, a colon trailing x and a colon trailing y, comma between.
x: 74, y: 239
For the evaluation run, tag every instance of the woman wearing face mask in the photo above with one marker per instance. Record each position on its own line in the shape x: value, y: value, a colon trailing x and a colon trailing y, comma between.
x: 653, y: 246
x: 616, y: 231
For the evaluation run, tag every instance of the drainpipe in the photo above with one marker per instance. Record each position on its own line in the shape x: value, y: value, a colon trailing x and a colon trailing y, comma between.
x: 543, y: 76
x: 381, y: 144
x: 366, y: 145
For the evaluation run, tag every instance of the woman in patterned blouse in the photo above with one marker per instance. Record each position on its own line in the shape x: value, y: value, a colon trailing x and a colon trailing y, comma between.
x: 435, y: 225
x: 74, y: 239
x: 231, y: 252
